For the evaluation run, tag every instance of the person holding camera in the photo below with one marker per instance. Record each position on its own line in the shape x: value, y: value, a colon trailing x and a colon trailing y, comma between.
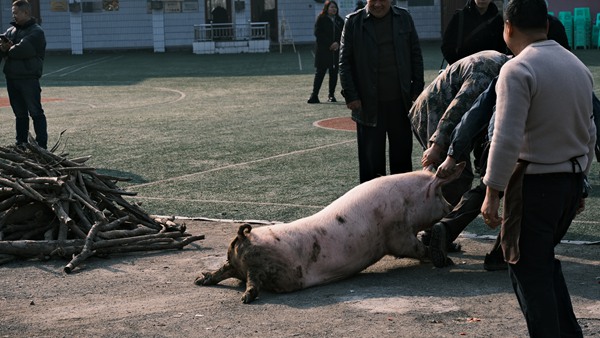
x: 23, y: 47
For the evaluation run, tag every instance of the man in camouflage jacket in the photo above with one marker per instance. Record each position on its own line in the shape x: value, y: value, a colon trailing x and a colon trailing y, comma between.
x: 439, y: 108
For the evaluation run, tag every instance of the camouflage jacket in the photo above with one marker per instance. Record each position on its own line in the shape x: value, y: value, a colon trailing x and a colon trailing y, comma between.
x: 439, y: 108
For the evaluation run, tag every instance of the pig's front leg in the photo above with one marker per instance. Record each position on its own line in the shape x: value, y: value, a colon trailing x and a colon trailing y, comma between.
x: 408, y: 245
x: 212, y: 278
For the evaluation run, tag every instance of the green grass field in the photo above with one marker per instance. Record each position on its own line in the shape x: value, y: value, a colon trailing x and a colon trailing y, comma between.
x: 219, y: 136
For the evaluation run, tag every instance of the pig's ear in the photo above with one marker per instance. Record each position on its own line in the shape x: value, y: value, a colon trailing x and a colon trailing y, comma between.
x: 455, y: 174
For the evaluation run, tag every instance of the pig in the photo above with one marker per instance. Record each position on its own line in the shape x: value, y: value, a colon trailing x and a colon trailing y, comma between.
x: 376, y: 218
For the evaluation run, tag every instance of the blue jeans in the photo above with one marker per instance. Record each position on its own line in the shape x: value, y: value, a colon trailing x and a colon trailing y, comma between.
x: 25, y: 100
x: 549, y: 205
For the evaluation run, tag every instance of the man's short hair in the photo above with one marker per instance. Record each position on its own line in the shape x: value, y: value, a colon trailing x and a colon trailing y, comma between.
x: 22, y: 5
x: 527, y: 14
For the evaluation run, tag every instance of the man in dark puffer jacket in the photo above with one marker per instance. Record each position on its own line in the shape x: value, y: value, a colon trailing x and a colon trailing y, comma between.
x: 23, y: 51
x: 476, y: 27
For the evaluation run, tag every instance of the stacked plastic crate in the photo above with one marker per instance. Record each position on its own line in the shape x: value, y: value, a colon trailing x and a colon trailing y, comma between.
x: 566, y: 18
x: 596, y: 32
x: 582, y: 22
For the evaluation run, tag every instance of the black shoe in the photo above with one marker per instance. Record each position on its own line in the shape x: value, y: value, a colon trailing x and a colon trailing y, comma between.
x: 454, y: 247
x: 331, y: 99
x: 438, y: 245
x: 494, y: 262
x: 313, y: 99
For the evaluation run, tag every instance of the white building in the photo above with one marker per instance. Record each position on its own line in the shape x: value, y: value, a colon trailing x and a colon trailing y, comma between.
x: 84, y: 25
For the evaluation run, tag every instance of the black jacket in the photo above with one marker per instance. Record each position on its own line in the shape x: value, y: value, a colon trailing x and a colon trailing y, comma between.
x: 557, y: 32
x: 489, y: 37
x: 25, y: 60
x: 327, y: 32
x: 358, y: 62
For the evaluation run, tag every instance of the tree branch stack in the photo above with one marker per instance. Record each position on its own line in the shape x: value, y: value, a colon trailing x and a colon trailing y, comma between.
x: 51, y: 206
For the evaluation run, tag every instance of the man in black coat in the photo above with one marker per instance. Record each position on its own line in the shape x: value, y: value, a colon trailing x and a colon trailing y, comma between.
x: 23, y: 51
x: 381, y: 72
x: 476, y: 27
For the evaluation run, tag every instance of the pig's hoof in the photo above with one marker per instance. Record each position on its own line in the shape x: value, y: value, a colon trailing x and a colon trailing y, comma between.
x: 249, y: 295
x: 246, y: 298
x: 203, y: 280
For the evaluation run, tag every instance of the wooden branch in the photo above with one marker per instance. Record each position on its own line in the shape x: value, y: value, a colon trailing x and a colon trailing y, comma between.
x: 59, y: 181
x: 85, y: 200
x: 29, y: 248
x: 8, y: 155
x: 105, y: 189
x: 39, y: 168
x: 87, y: 249
x: 84, y: 221
x: 113, y: 234
x: 16, y: 170
x: 81, y: 183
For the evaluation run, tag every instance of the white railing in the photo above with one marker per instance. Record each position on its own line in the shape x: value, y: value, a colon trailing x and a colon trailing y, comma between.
x: 231, y: 32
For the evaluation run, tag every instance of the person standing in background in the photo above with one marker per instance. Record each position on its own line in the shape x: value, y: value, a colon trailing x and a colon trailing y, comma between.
x: 381, y: 73
x: 359, y: 5
x: 23, y: 52
x: 476, y: 27
x: 328, y: 31
x: 541, y: 148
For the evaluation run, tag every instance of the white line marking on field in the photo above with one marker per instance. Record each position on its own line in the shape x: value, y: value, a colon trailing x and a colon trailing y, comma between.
x: 242, y: 164
x: 72, y: 66
x: 83, y: 65
x: 181, y: 94
x: 227, y: 202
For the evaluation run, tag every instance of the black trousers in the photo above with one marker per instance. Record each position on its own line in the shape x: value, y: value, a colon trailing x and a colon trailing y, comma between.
x: 467, y: 209
x: 394, y: 126
x: 549, y: 205
x: 320, y: 75
x: 467, y: 206
x: 25, y: 100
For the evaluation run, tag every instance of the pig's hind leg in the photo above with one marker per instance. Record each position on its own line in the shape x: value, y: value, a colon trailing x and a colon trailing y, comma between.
x: 212, y: 278
x: 253, y: 284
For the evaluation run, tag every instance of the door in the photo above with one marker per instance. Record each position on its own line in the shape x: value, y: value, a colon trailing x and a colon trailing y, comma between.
x: 218, y: 11
x: 266, y: 11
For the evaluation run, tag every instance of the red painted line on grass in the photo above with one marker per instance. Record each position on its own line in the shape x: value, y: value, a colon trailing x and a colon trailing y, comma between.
x: 337, y: 123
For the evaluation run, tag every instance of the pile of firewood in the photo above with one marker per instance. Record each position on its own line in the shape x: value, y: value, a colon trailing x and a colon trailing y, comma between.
x: 51, y: 206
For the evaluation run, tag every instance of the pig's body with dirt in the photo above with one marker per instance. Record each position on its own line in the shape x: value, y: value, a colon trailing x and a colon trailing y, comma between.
x: 377, y: 218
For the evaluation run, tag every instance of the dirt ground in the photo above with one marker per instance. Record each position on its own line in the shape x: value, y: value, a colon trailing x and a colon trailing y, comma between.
x: 153, y: 295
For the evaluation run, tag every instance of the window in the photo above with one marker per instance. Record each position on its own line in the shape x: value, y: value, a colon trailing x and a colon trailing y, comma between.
x: 110, y: 5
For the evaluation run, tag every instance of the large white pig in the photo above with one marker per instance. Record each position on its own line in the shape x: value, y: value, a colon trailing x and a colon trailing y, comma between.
x: 377, y: 218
